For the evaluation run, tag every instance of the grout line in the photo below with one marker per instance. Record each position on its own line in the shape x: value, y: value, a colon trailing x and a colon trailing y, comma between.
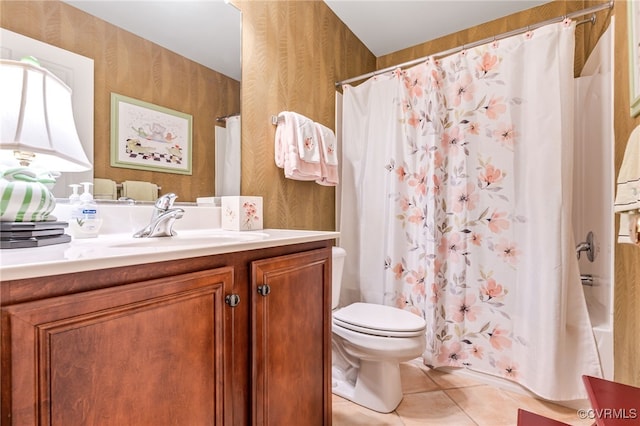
x: 458, y: 405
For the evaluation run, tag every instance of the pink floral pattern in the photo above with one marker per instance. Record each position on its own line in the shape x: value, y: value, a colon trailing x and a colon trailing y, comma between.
x: 452, y: 191
x: 457, y: 172
x: 250, y: 215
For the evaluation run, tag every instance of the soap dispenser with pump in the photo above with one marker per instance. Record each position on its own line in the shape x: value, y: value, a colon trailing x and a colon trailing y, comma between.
x: 85, y: 221
x: 74, y: 198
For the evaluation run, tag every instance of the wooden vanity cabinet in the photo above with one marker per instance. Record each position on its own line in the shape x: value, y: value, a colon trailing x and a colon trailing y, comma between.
x: 157, y: 344
x: 149, y: 353
x: 291, y: 339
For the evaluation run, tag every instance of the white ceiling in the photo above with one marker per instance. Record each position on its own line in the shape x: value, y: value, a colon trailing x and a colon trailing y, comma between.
x: 206, y: 31
x: 209, y: 31
x: 386, y: 26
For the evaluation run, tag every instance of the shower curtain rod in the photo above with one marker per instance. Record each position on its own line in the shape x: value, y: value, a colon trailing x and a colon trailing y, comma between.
x: 582, y: 12
x: 224, y: 117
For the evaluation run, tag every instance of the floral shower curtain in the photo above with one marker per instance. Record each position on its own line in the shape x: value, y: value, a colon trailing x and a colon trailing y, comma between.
x: 456, y: 205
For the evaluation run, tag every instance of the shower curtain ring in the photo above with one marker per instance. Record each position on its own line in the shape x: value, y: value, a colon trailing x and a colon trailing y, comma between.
x: 528, y: 34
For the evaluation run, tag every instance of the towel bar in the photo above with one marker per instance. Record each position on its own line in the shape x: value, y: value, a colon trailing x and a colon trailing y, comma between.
x: 119, y: 186
x: 277, y: 119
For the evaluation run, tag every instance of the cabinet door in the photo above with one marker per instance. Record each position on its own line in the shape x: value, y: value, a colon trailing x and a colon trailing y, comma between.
x: 149, y: 353
x: 291, y: 337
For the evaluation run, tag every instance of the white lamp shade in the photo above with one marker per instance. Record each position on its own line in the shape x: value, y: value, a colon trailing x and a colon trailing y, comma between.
x: 37, y: 117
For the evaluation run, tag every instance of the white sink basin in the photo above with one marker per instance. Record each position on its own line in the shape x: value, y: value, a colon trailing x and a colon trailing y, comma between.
x: 192, y: 239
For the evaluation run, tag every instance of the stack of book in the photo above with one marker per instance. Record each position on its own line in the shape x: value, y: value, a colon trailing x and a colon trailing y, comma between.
x: 32, y: 234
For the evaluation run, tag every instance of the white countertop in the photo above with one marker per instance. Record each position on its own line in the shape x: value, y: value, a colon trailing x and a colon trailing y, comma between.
x: 114, y: 250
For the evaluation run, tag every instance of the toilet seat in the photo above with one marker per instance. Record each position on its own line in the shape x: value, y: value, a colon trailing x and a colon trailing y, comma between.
x: 379, y: 320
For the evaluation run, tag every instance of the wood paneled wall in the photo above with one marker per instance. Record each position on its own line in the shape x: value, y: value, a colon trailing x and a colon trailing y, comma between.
x: 627, y: 257
x: 134, y: 67
x: 293, y: 52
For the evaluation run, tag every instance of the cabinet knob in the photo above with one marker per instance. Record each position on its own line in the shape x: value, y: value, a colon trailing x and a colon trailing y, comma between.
x: 263, y: 290
x: 232, y: 300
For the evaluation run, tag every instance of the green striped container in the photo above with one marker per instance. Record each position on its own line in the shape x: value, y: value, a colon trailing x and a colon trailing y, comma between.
x: 25, y: 196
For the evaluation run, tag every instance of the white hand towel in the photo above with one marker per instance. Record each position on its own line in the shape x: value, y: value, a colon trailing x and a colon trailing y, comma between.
x: 140, y: 191
x: 287, y: 155
x: 627, y: 200
x: 629, y: 231
x: 104, y: 189
x: 628, y: 184
x: 328, y: 144
x: 308, y: 144
x: 279, y: 150
x: 328, y: 171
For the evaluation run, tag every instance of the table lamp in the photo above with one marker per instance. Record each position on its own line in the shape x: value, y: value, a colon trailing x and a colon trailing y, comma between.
x: 38, y: 138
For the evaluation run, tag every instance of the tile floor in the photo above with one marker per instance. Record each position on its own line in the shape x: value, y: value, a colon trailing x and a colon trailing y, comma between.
x: 435, y: 398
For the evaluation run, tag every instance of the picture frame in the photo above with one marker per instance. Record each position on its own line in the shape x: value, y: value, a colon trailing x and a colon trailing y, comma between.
x: 633, y: 12
x: 150, y: 137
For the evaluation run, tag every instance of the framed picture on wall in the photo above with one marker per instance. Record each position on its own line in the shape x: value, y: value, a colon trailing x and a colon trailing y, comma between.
x: 633, y: 12
x: 145, y: 136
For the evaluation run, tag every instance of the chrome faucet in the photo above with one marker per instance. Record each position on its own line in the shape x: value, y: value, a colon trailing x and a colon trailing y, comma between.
x: 162, y: 218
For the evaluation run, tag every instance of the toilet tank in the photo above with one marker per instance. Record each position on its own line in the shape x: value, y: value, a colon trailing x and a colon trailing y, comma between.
x: 337, y: 259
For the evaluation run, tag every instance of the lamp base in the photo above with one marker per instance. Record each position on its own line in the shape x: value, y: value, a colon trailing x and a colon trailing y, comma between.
x: 32, y: 234
x: 24, y: 196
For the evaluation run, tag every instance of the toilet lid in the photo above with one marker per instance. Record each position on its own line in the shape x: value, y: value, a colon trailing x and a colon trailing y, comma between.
x: 379, y: 320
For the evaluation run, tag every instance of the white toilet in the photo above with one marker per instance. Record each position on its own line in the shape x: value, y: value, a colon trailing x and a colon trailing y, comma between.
x: 369, y: 342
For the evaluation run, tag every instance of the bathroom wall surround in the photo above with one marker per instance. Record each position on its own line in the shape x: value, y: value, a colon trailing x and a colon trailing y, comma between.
x: 626, y: 308
x: 293, y: 52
